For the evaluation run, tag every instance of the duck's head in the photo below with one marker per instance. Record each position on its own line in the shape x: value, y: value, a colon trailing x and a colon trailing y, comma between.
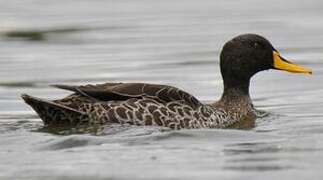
x: 247, y: 54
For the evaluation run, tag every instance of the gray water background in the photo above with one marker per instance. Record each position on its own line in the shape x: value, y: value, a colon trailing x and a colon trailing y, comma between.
x: 174, y: 42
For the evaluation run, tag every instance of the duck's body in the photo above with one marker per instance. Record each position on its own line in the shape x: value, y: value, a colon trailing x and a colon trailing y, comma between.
x: 161, y: 105
x: 139, y: 104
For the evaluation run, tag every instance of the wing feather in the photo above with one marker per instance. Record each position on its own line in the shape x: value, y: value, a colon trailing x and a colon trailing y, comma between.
x: 124, y: 91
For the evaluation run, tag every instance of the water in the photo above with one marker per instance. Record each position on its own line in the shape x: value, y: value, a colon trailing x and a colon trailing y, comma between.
x: 169, y: 42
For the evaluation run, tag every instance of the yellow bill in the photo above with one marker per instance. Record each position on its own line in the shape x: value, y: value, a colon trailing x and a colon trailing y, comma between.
x: 282, y: 64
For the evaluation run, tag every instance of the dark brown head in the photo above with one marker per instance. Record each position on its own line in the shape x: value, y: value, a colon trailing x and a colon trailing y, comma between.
x: 247, y: 54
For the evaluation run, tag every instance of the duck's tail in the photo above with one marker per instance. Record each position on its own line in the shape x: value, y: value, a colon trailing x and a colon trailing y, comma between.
x: 55, y: 114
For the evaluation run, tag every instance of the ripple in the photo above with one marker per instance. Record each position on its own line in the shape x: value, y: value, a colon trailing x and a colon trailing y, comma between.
x: 253, y: 159
x: 39, y: 34
x: 69, y: 142
x: 10, y: 125
x: 18, y: 84
x: 258, y: 168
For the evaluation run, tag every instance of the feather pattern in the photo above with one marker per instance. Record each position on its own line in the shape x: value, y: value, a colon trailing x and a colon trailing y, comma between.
x: 137, y: 104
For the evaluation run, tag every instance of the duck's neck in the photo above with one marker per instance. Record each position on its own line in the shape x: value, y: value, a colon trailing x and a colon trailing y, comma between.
x: 236, y: 94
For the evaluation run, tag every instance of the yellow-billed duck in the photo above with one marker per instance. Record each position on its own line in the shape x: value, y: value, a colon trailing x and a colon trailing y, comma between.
x: 161, y: 105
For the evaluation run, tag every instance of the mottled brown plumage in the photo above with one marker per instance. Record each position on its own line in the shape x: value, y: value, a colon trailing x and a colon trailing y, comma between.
x: 132, y: 103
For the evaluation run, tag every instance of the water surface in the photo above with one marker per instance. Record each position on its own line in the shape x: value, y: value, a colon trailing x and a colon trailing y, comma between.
x: 169, y: 42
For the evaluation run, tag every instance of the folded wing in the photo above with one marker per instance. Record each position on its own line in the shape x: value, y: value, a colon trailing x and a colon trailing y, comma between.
x: 124, y: 91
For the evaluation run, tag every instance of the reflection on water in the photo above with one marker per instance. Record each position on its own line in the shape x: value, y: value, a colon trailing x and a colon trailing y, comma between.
x: 169, y: 42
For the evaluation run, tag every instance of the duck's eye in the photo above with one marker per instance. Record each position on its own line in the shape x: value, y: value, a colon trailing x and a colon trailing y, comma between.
x: 256, y: 45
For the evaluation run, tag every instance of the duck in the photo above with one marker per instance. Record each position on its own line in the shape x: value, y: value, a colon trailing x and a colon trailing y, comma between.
x: 144, y: 104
